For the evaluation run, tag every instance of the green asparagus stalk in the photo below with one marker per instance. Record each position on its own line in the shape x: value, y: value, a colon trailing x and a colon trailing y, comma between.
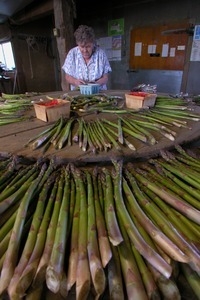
x: 188, y: 157
x: 109, y: 136
x: 36, y: 268
x: 103, y: 240
x: 42, y: 133
x: 167, y: 287
x: 182, y: 247
x: 132, y: 125
x: 85, y: 141
x: 92, y: 141
x: 178, y: 114
x: 115, y: 281
x: 9, y: 172
x: 192, y: 278
x: 43, y: 139
x: 184, y: 172
x: 65, y: 134
x: 7, y: 227
x: 36, y: 294
x: 126, y: 142
x: 31, y: 239
x: 83, y: 279
x: 183, y: 224
x: 80, y: 133
x: 55, y: 267
x: 145, y: 250
x: 4, y: 243
x: 147, y: 278
x: 105, y: 140
x: 131, y: 274
x: 96, y: 268
x: 13, y: 247
x: 8, y: 202
x: 135, y: 134
x: 157, y: 127
x: 73, y: 253
x: 7, y: 214
x: 19, y: 178
x: 60, y: 125
x: 165, y: 243
x: 182, y: 189
x: 102, y: 139
x: 110, y: 211
x: 171, y: 198
x: 27, y: 276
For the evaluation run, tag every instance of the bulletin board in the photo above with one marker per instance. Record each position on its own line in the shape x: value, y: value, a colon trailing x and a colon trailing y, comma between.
x: 159, y: 47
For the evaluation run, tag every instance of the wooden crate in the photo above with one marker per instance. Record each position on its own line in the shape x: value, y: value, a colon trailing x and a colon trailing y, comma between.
x: 52, y: 113
x: 136, y: 102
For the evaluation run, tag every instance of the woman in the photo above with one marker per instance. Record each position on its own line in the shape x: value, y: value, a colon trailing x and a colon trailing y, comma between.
x: 86, y: 62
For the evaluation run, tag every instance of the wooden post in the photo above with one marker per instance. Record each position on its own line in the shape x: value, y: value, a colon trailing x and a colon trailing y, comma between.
x: 64, y: 13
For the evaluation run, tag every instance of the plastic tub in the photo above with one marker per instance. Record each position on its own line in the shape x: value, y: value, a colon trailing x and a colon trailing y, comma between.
x: 89, y: 89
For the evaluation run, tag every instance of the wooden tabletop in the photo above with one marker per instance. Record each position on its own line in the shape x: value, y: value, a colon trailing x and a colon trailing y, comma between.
x: 14, y: 137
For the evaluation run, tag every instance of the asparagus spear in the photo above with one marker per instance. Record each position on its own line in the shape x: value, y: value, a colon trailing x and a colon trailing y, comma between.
x: 83, y: 279
x: 13, y: 247
x: 31, y: 239
x: 55, y: 267
x: 189, y: 254
x: 73, y: 252
x: 131, y: 274
x: 41, y: 254
x: 171, y: 198
x: 158, y: 236
x: 96, y: 268
x: 134, y: 235
x: 115, y: 281
x: 192, y: 278
x: 104, y: 244
x: 109, y: 211
x: 167, y: 286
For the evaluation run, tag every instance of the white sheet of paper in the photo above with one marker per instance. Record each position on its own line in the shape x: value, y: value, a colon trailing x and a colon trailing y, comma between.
x: 165, y: 50
x: 138, y: 49
x: 172, y: 52
x: 151, y: 49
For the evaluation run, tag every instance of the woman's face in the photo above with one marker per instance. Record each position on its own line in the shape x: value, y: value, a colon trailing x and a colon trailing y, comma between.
x: 86, y: 49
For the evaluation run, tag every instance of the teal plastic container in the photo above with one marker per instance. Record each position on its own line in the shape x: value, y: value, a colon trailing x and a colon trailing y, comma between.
x: 89, y: 89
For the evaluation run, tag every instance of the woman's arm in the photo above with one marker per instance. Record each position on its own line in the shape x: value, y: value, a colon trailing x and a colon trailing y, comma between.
x: 102, y: 80
x: 73, y: 81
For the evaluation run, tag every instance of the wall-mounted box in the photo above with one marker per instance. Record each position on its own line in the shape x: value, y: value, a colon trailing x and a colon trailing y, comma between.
x: 49, y: 111
x: 140, y: 101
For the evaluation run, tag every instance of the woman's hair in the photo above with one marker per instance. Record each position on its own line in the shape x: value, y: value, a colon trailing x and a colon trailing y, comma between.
x: 84, y: 34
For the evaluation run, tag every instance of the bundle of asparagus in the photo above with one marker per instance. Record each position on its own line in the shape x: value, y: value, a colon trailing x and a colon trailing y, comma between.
x: 13, y: 108
x: 102, y: 134
x: 122, y: 231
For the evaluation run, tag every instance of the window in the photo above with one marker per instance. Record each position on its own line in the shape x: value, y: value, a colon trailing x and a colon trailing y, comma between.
x: 6, y: 56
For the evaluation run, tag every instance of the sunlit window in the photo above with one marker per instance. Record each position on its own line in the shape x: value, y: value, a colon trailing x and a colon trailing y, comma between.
x: 6, y: 56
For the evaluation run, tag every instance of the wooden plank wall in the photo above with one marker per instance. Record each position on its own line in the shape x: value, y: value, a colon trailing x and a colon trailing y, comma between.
x: 153, y: 35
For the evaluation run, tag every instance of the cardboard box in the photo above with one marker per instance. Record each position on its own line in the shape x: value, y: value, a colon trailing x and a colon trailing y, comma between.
x: 54, y: 112
x: 136, y: 102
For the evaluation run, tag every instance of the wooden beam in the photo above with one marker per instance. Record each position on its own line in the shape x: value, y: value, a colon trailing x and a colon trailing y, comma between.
x: 40, y: 10
x: 64, y: 13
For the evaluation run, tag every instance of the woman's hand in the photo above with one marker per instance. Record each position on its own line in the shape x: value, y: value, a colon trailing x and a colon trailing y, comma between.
x: 74, y: 81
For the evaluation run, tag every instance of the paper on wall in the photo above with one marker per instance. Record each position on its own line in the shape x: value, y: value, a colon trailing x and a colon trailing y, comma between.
x: 138, y: 49
x: 165, y: 50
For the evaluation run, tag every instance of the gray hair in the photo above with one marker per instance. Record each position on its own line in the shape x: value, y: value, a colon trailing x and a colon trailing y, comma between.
x: 84, y: 34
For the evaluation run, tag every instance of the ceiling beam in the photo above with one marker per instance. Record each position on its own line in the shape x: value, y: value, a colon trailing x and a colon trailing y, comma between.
x: 33, y: 12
